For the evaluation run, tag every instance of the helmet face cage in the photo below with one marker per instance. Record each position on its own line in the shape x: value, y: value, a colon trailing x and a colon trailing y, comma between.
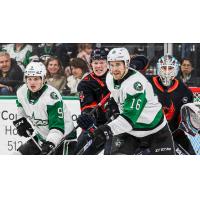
x: 119, y: 54
x: 99, y: 54
x: 35, y: 69
x: 167, y: 69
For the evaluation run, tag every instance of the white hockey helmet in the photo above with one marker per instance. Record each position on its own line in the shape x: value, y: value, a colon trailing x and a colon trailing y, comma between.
x: 171, y: 65
x: 35, y: 69
x: 119, y: 54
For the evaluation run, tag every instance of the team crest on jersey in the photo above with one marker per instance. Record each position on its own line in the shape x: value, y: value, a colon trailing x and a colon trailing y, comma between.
x: 184, y: 99
x: 38, y: 122
x: 138, y: 86
x: 53, y: 95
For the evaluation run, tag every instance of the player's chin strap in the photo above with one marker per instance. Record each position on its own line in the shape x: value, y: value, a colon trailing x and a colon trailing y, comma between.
x: 102, y: 102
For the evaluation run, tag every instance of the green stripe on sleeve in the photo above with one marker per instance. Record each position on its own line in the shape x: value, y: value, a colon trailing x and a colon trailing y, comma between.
x: 56, y: 116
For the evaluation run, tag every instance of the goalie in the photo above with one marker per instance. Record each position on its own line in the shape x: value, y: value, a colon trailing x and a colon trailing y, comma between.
x: 43, y: 106
x: 172, y: 94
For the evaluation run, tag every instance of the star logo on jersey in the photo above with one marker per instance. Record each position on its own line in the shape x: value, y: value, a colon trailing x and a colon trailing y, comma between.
x: 138, y: 86
x: 38, y: 122
x: 116, y: 87
x: 53, y: 95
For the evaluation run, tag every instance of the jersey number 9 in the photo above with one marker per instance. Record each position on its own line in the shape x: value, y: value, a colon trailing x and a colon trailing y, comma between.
x: 60, y: 113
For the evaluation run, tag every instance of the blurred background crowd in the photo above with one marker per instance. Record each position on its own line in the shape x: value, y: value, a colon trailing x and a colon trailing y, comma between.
x: 68, y: 63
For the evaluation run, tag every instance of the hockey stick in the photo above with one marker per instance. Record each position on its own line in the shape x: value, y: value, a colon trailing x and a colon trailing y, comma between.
x: 180, y: 150
x: 107, y: 146
x: 102, y: 102
x: 32, y: 138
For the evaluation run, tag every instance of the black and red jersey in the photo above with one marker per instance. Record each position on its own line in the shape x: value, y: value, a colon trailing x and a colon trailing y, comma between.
x: 92, y: 89
x: 172, y: 98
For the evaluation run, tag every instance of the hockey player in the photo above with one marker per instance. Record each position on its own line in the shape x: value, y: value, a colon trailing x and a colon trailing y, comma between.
x: 42, y: 105
x: 173, y: 94
x: 92, y: 90
x: 141, y: 121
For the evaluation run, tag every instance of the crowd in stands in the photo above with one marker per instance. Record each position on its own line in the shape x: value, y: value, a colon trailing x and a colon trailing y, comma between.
x: 67, y: 65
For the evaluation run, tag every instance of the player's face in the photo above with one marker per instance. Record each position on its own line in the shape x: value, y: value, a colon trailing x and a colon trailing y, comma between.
x: 34, y: 83
x: 99, y: 67
x: 117, y: 69
x: 53, y: 67
x: 167, y: 69
x: 77, y: 72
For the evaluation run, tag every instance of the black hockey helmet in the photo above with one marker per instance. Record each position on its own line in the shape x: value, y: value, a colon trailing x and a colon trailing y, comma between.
x: 139, y: 62
x: 99, y: 53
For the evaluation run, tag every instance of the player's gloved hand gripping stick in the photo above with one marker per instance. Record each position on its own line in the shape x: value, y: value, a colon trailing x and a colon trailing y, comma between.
x: 102, y: 102
x: 25, y: 129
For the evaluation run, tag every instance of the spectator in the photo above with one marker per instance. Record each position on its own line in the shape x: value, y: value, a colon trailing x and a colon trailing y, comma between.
x: 11, y: 75
x: 44, y: 51
x: 79, y: 70
x: 187, y: 74
x: 85, y: 51
x: 20, y: 52
x: 55, y: 74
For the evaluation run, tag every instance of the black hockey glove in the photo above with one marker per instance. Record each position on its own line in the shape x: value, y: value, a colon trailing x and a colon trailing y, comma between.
x: 86, y: 120
x: 101, y: 134
x: 111, y: 108
x: 22, y: 125
x: 47, y: 147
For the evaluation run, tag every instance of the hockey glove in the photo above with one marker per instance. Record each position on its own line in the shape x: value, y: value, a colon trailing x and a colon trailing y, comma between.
x: 111, y: 108
x: 101, y: 135
x: 85, y: 120
x: 22, y: 126
x: 47, y: 147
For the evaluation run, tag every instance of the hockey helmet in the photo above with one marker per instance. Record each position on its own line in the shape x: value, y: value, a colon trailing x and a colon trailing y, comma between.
x: 119, y: 54
x: 35, y: 69
x: 99, y: 54
x: 167, y: 69
x: 139, y: 62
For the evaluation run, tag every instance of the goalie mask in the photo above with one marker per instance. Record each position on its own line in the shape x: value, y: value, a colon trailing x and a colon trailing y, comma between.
x: 167, y: 69
x: 190, y: 118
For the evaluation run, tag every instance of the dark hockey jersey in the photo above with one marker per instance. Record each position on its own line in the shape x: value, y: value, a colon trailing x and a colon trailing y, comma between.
x: 172, y: 98
x: 92, y: 90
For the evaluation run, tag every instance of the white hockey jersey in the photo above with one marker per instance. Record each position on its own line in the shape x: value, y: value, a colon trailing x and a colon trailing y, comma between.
x: 48, y: 114
x: 140, y: 112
